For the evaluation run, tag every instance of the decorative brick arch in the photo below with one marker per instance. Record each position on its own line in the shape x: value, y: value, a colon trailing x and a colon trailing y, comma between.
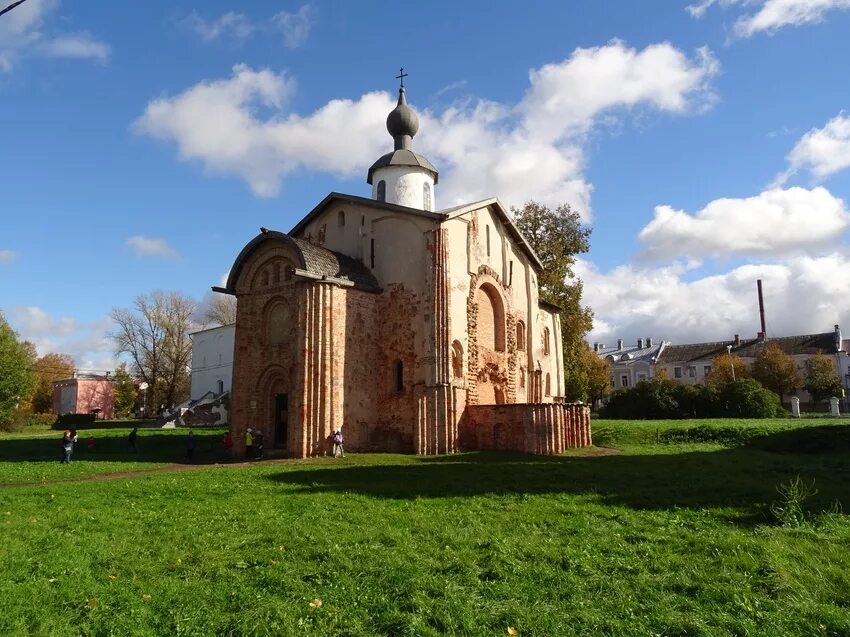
x: 484, y: 365
x: 274, y: 379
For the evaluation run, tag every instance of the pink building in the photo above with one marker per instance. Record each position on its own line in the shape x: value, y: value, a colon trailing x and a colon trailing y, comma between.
x: 84, y: 394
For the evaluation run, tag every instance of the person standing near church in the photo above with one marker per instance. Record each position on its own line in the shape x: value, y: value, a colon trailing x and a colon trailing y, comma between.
x: 338, y: 444
x: 249, y: 443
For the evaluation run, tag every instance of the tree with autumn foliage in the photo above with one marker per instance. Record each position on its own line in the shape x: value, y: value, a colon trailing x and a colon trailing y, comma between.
x: 722, y: 366
x: 49, y: 368
x: 598, y: 372
x: 125, y: 391
x: 821, y: 381
x: 557, y: 236
x: 154, y: 334
x: 776, y: 370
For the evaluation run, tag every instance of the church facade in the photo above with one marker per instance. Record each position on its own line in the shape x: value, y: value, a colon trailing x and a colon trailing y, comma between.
x: 410, y: 328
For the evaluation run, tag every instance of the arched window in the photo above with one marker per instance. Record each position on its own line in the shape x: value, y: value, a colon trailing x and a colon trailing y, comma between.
x: 426, y: 195
x: 548, y: 385
x: 382, y: 190
x: 491, y: 318
x: 546, y: 341
x: 457, y: 359
x: 265, y: 277
x: 398, y: 376
x: 520, y: 336
x: 340, y: 218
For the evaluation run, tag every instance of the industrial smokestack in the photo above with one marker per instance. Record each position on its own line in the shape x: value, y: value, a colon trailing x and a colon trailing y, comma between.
x: 763, y: 333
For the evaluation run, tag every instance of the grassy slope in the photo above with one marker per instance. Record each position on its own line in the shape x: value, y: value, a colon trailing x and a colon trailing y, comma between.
x: 661, y: 539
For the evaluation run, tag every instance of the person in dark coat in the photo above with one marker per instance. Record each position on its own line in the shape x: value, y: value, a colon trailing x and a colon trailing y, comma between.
x: 190, y: 445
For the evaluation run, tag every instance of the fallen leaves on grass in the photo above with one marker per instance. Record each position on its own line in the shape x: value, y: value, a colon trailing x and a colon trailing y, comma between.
x: 91, y: 603
x: 316, y: 603
x: 512, y: 631
x: 112, y: 578
x: 146, y: 597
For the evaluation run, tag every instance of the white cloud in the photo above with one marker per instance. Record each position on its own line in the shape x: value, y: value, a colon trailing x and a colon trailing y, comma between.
x: 230, y: 25
x: 294, y: 27
x: 775, y: 222
x: 149, y: 246
x: 821, y: 151
x: 26, y: 31
x: 772, y: 15
x: 33, y: 322
x: 632, y: 302
x: 7, y: 255
x: 239, y: 125
x: 216, y: 122
x: 79, y: 45
x: 566, y: 98
x: 88, y: 342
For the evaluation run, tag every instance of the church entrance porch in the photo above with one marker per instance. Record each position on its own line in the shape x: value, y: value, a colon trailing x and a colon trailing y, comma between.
x: 281, y: 420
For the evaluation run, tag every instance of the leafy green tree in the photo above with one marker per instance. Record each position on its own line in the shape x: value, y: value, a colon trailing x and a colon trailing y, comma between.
x: 721, y: 369
x: 125, y: 391
x: 776, y: 370
x: 821, y: 381
x: 557, y: 236
x: 49, y: 368
x: 17, y: 379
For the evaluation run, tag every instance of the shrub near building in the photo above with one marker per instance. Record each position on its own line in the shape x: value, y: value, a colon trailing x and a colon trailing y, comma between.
x: 665, y: 399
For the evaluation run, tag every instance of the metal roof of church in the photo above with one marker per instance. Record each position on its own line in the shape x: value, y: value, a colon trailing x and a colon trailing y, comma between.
x: 315, y: 260
x: 402, y: 157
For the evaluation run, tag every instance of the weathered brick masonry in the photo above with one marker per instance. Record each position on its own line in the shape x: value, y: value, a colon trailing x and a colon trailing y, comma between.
x: 412, y: 329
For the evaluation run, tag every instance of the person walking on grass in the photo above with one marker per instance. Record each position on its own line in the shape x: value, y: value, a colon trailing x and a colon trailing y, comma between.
x: 131, y: 439
x: 338, y: 442
x: 190, y: 445
x: 249, y: 443
x: 69, y: 437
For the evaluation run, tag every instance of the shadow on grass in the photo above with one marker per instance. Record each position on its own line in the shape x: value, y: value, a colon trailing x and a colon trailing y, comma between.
x: 743, y: 478
x: 155, y: 446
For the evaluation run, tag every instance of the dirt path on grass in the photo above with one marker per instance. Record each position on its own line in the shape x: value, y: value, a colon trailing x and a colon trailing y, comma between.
x: 592, y: 452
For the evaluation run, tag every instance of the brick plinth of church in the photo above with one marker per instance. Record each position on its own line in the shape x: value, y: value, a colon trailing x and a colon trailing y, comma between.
x: 540, y: 428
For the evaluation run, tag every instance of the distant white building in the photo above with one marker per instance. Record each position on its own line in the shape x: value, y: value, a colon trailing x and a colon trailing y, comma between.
x: 691, y: 363
x: 630, y: 364
x: 212, y: 361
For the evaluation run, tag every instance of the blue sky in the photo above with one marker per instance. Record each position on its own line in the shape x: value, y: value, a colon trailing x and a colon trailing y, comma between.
x: 143, y: 144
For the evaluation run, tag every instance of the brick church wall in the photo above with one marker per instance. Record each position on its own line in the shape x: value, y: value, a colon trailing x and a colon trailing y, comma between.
x: 541, y: 428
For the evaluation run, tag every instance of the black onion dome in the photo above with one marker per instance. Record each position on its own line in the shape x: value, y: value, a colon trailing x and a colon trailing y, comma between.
x: 402, y: 122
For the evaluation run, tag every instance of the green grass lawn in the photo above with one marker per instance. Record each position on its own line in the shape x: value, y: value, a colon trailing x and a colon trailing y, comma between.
x: 665, y: 536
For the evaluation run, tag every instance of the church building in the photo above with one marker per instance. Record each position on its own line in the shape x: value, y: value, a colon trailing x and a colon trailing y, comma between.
x: 410, y: 328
